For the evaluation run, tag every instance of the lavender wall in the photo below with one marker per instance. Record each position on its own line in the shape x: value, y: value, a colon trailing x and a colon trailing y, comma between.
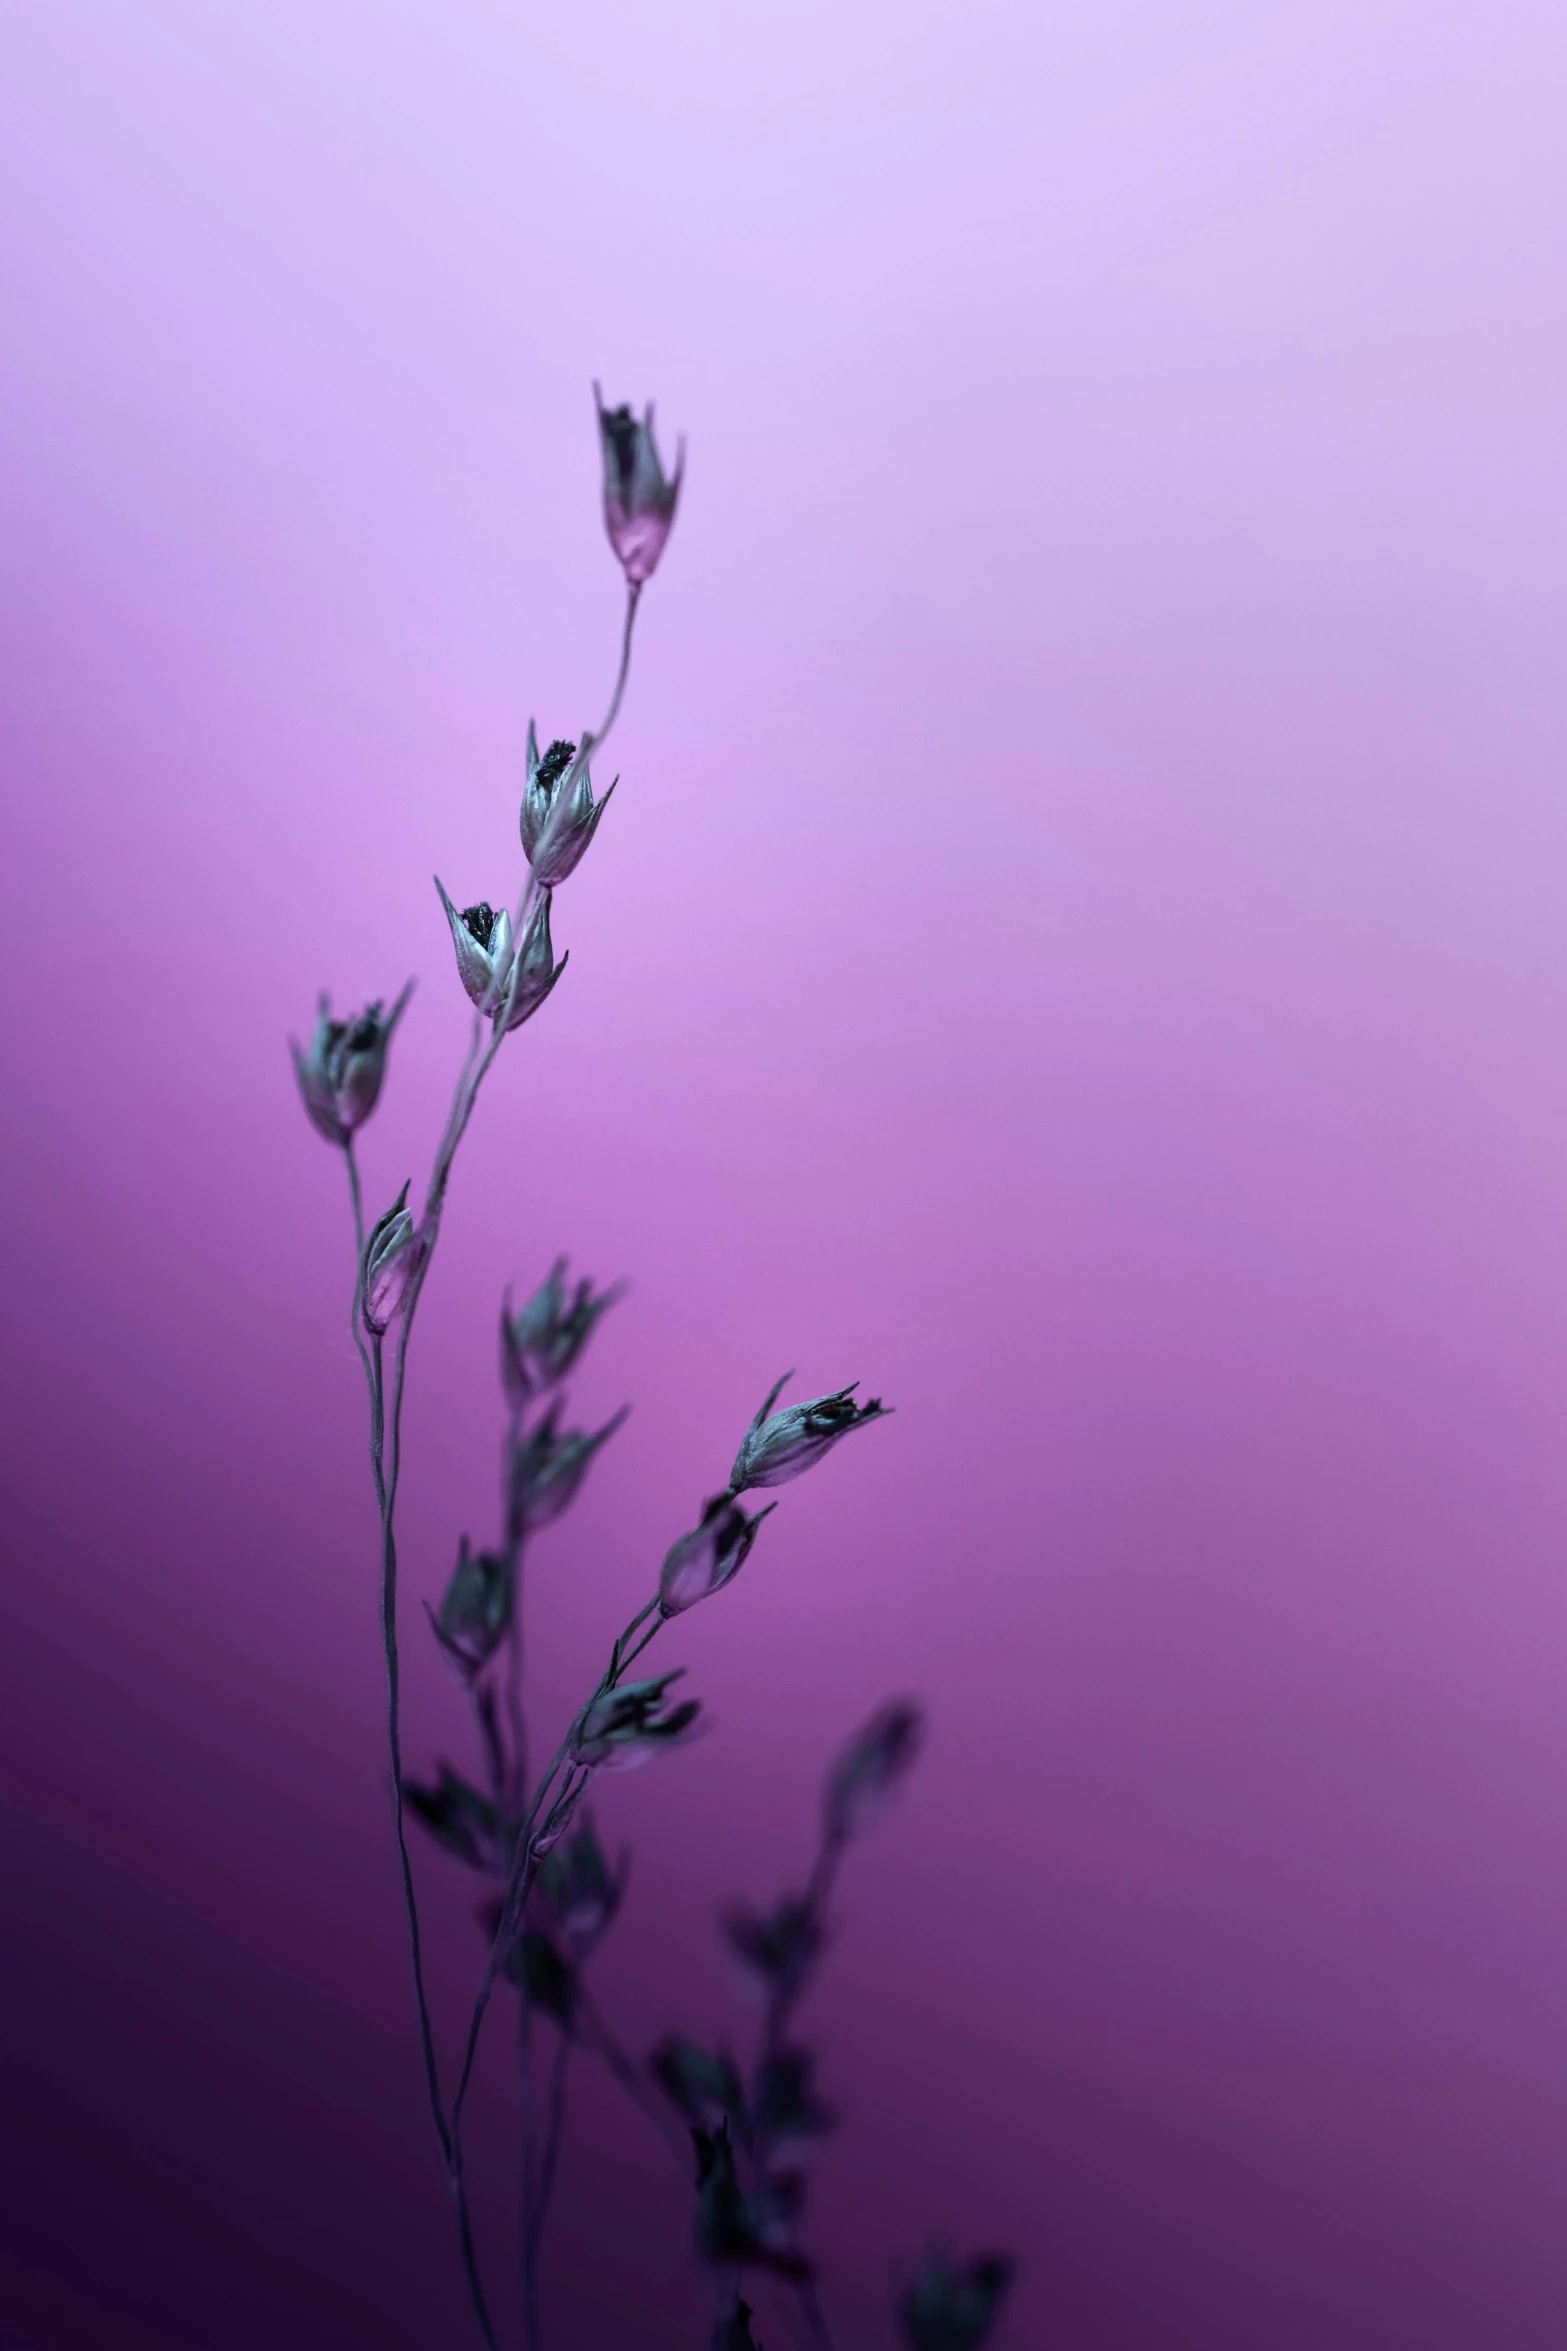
x: 1078, y: 945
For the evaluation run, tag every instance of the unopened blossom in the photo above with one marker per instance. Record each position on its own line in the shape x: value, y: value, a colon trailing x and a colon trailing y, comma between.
x: 779, y: 1445
x: 475, y: 1609
x: 578, y: 1888
x: 870, y: 1767
x: 545, y: 1467
x: 542, y: 1338
x: 950, y: 2308
x: 559, y: 813
x: 639, y: 499
x: 392, y: 1258
x: 714, y: 1552
x: 482, y: 940
x: 341, y: 1070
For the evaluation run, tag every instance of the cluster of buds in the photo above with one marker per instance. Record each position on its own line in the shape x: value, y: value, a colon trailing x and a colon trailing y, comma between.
x: 542, y: 1339
x: 778, y: 1446
x: 341, y: 1070
x: 625, y: 1727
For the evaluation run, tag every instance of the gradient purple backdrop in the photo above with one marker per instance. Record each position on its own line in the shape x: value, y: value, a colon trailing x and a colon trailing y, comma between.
x: 1078, y: 945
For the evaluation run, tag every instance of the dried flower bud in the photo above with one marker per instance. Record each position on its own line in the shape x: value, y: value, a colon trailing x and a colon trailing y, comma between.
x: 542, y: 1340
x: 547, y: 1980
x: 948, y: 2309
x: 545, y: 1469
x: 780, y: 1947
x: 779, y: 1445
x: 714, y: 1552
x: 578, y: 1890
x: 784, y: 2105
x: 340, y: 1075
x: 489, y: 968
x: 736, y: 2231
x: 622, y: 1728
x: 702, y: 2087
x: 475, y: 1609
x: 393, y: 1255
x: 458, y: 1817
x: 639, y: 503
x: 732, y: 2330
x: 559, y: 813
x: 869, y: 1768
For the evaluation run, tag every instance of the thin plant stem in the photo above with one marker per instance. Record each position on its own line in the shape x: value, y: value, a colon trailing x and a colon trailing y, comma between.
x: 533, y: 2229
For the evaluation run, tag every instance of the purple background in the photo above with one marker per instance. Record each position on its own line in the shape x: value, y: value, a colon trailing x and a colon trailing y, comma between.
x: 1078, y: 945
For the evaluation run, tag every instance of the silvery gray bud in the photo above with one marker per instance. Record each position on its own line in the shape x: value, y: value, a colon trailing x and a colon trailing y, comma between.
x: 559, y: 813
x: 544, y: 1337
x: 393, y: 1255
x: 714, y: 1552
x: 545, y: 1468
x: 622, y: 1728
x: 341, y: 1072
x: 482, y: 940
x: 779, y: 1445
x: 869, y: 1769
x: 475, y: 1609
x: 639, y: 502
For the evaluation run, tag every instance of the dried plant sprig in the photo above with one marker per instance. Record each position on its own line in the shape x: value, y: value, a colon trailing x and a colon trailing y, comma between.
x: 341, y: 1071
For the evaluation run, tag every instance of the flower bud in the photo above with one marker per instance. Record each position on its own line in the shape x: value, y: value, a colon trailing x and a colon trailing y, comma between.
x: 779, y: 1947
x: 948, y: 2309
x: 732, y: 2330
x: 542, y: 1340
x: 702, y: 2087
x: 869, y: 1768
x: 578, y: 1890
x: 458, y: 1818
x: 779, y: 1445
x: 784, y: 2104
x: 475, y: 1609
x: 488, y: 966
x: 393, y: 1255
x: 639, y: 503
x: 559, y: 813
x: 340, y: 1075
x: 622, y: 1728
x: 714, y: 1552
x: 544, y: 1470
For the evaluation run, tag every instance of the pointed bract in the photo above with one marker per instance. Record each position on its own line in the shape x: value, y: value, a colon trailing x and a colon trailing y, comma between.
x: 341, y: 1072
x: 475, y: 1609
x: 545, y: 1469
x: 639, y: 499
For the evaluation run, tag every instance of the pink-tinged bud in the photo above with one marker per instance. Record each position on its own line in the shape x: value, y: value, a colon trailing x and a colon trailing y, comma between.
x: 870, y: 1768
x: 394, y: 1252
x: 779, y: 1445
x: 639, y: 501
x: 711, y: 1556
x: 499, y: 980
x: 340, y: 1073
x: 543, y: 1338
x: 559, y: 813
